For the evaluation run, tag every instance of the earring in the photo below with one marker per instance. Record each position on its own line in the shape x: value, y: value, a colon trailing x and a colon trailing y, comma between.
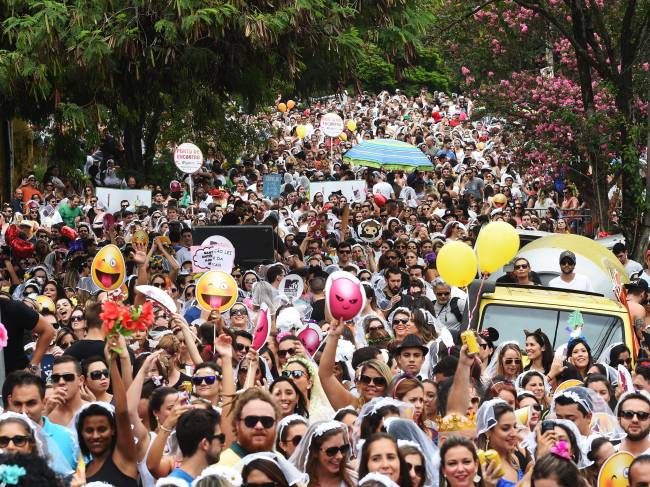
x: 477, y: 478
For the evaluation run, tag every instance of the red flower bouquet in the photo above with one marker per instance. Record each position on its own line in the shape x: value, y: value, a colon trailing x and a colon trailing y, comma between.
x: 124, y: 320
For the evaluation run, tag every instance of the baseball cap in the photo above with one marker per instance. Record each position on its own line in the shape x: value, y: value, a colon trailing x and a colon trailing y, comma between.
x: 637, y: 285
x: 567, y: 254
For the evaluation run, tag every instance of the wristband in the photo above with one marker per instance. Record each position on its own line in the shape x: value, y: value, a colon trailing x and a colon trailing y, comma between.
x: 166, y: 429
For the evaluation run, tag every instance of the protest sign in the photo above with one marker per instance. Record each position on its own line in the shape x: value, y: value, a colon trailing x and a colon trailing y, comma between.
x: 331, y: 125
x: 110, y: 198
x: 188, y: 158
x: 215, y: 253
x: 272, y: 184
x: 354, y: 191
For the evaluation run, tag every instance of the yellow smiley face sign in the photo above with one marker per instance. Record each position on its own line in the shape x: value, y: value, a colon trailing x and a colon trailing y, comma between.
x: 108, y: 269
x: 140, y: 237
x: 216, y: 290
x: 615, y: 471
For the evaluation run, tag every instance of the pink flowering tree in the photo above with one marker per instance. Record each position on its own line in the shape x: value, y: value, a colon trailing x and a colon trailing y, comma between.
x: 571, y: 79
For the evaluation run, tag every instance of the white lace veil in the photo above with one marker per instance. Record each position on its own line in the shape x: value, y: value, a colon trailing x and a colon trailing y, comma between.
x: 485, y: 417
x: 37, y: 432
x: 284, y: 422
x: 530, y: 442
x: 230, y: 475
x: 406, y: 430
x: 293, y: 475
x: 377, y: 477
x: 300, y: 456
x: 319, y: 406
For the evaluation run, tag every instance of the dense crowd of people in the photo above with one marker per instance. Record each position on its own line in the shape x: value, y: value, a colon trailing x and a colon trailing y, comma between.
x: 392, y: 397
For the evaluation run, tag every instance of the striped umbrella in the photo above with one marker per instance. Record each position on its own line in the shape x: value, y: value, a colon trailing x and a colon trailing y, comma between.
x: 389, y: 154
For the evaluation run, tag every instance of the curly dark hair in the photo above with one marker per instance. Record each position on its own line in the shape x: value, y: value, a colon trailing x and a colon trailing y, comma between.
x: 38, y: 473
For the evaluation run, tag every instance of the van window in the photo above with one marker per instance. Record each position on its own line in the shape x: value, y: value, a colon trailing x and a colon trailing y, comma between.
x: 510, y: 321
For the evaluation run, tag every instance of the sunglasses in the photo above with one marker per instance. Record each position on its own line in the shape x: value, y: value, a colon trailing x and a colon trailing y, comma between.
x: 266, y: 421
x: 66, y: 377
x: 98, y: 374
x: 241, y: 347
x: 207, y: 379
x: 443, y: 294
x: 521, y: 266
x: 398, y: 321
x: 642, y: 415
x: 333, y: 450
x: 18, y: 440
x: 294, y: 374
x: 295, y: 440
x: 77, y: 318
x: 344, y: 251
x: 238, y: 312
x: 159, y: 285
x: 236, y: 276
x: 418, y: 469
x: 567, y: 262
x: 375, y: 381
x: 221, y: 437
x: 510, y: 361
x: 289, y: 351
x: 375, y: 328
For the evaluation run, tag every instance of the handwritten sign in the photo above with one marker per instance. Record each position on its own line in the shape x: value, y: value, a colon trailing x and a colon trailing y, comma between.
x: 272, y: 185
x: 331, y: 125
x: 215, y: 253
x: 188, y: 158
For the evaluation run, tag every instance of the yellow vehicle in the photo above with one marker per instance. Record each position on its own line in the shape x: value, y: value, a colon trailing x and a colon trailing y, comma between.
x: 511, y: 309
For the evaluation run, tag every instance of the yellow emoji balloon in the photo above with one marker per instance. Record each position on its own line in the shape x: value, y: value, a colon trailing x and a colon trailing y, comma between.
x: 108, y: 269
x: 140, y: 237
x: 615, y: 470
x: 216, y: 290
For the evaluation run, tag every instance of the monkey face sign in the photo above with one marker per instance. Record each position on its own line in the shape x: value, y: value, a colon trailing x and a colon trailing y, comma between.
x: 369, y: 231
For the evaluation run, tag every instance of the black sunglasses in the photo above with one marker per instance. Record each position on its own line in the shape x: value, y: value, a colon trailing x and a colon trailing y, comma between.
x: 294, y: 374
x: 98, y: 374
x: 289, y: 351
x: 266, y: 421
x: 238, y: 312
x: 66, y: 377
x: 418, y: 469
x: 207, y: 379
x: 18, y: 440
x: 295, y: 440
x: 333, y: 450
x: 241, y: 347
x: 377, y: 381
x: 642, y: 415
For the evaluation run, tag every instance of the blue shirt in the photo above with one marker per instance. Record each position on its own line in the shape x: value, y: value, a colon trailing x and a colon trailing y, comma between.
x: 178, y: 473
x: 62, y: 446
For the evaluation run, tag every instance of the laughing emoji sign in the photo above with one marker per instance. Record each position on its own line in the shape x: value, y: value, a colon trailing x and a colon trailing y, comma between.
x: 108, y: 269
x: 216, y: 290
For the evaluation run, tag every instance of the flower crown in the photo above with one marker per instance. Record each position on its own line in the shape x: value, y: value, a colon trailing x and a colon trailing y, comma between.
x: 456, y: 422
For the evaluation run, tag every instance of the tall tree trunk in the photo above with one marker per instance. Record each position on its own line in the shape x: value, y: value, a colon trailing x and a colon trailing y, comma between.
x: 133, y: 146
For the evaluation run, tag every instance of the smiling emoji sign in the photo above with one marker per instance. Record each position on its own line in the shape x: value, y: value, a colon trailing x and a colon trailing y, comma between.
x: 108, y: 269
x: 216, y: 290
x: 615, y: 471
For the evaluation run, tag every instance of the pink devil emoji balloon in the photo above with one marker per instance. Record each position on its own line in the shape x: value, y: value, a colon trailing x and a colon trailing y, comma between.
x: 263, y: 327
x: 344, y: 295
x: 310, y: 338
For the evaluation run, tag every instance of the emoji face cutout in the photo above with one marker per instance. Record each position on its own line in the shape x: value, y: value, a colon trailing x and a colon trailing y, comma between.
x: 615, y: 471
x: 310, y: 337
x: 263, y: 327
x: 140, y: 237
x: 108, y: 268
x: 369, y: 230
x: 216, y: 290
x: 344, y: 296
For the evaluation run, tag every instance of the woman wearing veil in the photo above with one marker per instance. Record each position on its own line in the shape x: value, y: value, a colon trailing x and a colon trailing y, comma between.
x: 266, y: 468
x: 408, y: 433
x: 324, y: 454
x: 305, y: 375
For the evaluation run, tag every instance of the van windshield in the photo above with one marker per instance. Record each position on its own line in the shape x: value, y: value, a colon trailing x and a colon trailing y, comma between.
x: 510, y: 322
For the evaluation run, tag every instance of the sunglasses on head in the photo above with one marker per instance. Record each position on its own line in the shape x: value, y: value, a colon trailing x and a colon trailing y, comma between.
x: 375, y: 381
x: 252, y: 421
x: 18, y: 440
x: 333, y: 450
x: 98, y: 374
x: 207, y: 379
x: 294, y: 374
x: 69, y: 377
x: 627, y: 414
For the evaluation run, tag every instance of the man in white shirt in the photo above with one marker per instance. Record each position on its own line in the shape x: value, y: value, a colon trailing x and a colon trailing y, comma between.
x: 633, y: 413
x: 569, y: 279
x: 631, y: 266
x: 382, y: 187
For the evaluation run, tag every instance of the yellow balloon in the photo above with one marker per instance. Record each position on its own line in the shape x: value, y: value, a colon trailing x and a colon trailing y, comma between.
x: 301, y: 131
x: 351, y: 125
x: 282, y: 107
x: 456, y: 263
x: 291, y: 104
x: 496, y: 245
x: 343, y: 136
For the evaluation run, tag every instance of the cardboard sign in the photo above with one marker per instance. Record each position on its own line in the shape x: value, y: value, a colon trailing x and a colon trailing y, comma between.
x: 216, y: 291
x: 111, y: 198
x: 331, y: 125
x: 108, y: 270
x: 292, y: 286
x: 354, y: 191
x: 369, y: 230
x: 263, y: 327
x: 272, y: 185
x: 188, y: 158
x: 344, y: 295
x: 215, y: 253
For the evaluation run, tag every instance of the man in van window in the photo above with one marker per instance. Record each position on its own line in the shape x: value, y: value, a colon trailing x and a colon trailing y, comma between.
x: 568, y: 279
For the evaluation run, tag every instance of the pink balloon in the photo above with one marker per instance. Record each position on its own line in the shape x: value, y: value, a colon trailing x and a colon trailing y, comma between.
x: 345, y: 298
x: 310, y: 339
x: 262, y: 329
